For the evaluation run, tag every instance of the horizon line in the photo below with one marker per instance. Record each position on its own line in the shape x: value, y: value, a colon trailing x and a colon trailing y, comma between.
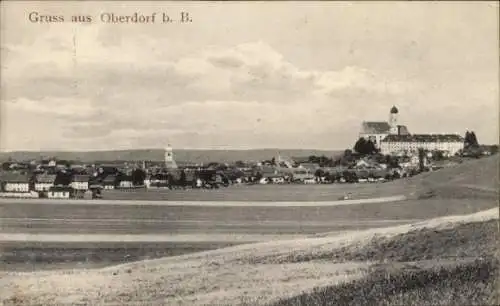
x: 144, y: 149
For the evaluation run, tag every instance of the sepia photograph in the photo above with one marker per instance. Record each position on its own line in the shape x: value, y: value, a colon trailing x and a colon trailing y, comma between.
x: 270, y: 153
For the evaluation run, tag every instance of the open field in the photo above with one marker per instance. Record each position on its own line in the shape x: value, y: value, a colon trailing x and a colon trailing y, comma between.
x: 35, y: 237
x: 230, y: 277
x: 262, y: 193
x: 334, y: 251
x: 201, y: 217
x: 45, y: 236
x: 33, y: 256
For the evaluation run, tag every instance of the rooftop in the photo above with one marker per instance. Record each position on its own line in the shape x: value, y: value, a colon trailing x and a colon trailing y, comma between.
x: 80, y: 178
x: 11, y: 177
x: 424, y: 138
x: 374, y: 127
x: 45, y: 178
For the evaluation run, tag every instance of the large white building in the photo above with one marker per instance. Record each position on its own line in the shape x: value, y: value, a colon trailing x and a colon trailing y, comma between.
x: 447, y: 143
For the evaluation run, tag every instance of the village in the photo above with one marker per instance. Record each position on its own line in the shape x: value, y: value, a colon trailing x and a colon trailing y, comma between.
x: 384, y: 151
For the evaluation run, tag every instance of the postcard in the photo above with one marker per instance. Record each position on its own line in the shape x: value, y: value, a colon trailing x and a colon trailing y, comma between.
x: 249, y: 153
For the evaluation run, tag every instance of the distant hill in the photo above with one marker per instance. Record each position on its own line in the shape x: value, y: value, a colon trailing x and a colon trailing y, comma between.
x: 181, y: 155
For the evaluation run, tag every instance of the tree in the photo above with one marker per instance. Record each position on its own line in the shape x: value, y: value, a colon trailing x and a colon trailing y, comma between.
x: 470, y: 140
x: 473, y: 138
x: 6, y: 166
x: 319, y: 173
x: 138, y: 176
x: 370, y: 147
x: 182, y: 179
x: 467, y: 139
x: 62, y: 178
x: 421, y: 159
x: 360, y: 145
x: 239, y: 164
x: 325, y: 161
x: 258, y: 176
x: 365, y: 147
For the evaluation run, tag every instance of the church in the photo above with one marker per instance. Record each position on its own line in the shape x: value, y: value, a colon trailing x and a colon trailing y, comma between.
x: 393, y: 139
x: 169, y: 158
x: 376, y: 131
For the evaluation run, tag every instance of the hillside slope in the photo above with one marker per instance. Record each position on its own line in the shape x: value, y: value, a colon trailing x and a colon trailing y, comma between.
x: 472, y: 178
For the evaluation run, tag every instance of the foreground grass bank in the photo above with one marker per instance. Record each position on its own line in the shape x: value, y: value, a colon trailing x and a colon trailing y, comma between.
x: 464, y: 283
x: 288, y: 271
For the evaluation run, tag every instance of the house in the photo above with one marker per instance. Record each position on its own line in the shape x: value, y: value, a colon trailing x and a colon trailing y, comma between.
x: 109, y: 182
x: 278, y: 180
x: 310, y: 180
x: 273, y: 178
x: 302, y: 175
x: 364, y: 163
x: 147, y: 181
x: 15, y: 182
x: 79, y: 169
x: 80, y: 182
x: 264, y: 180
x: 157, y: 181
x: 126, y: 182
x: 58, y: 192
x: 311, y: 167
x: 43, y: 182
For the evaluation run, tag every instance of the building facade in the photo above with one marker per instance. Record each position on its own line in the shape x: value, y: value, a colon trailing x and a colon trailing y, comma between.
x: 59, y: 192
x: 376, y: 131
x: 43, y: 182
x: 169, y: 158
x: 80, y: 182
x: 410, y: 144
x: 14, y: 182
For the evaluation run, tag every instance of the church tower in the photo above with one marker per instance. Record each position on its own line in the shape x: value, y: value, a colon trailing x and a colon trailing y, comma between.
x: 393, y: 120
x: 169, y: 158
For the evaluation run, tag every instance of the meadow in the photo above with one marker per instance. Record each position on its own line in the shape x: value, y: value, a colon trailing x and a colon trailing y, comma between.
x: 447, y: 256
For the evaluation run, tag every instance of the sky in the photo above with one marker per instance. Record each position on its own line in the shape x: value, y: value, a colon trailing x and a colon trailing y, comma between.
x: 245, y: 75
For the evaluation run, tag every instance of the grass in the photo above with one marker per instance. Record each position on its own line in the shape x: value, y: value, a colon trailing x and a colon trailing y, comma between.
x: 467, y: 283
x: 229, y: 277
x: 259, y: 193
x: 469, y: 240
x: 453, y: 266
x: 60, y: 255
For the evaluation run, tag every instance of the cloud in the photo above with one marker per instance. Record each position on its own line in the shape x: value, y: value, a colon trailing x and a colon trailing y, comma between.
x: 239, y: 90
x: 58, y: 107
